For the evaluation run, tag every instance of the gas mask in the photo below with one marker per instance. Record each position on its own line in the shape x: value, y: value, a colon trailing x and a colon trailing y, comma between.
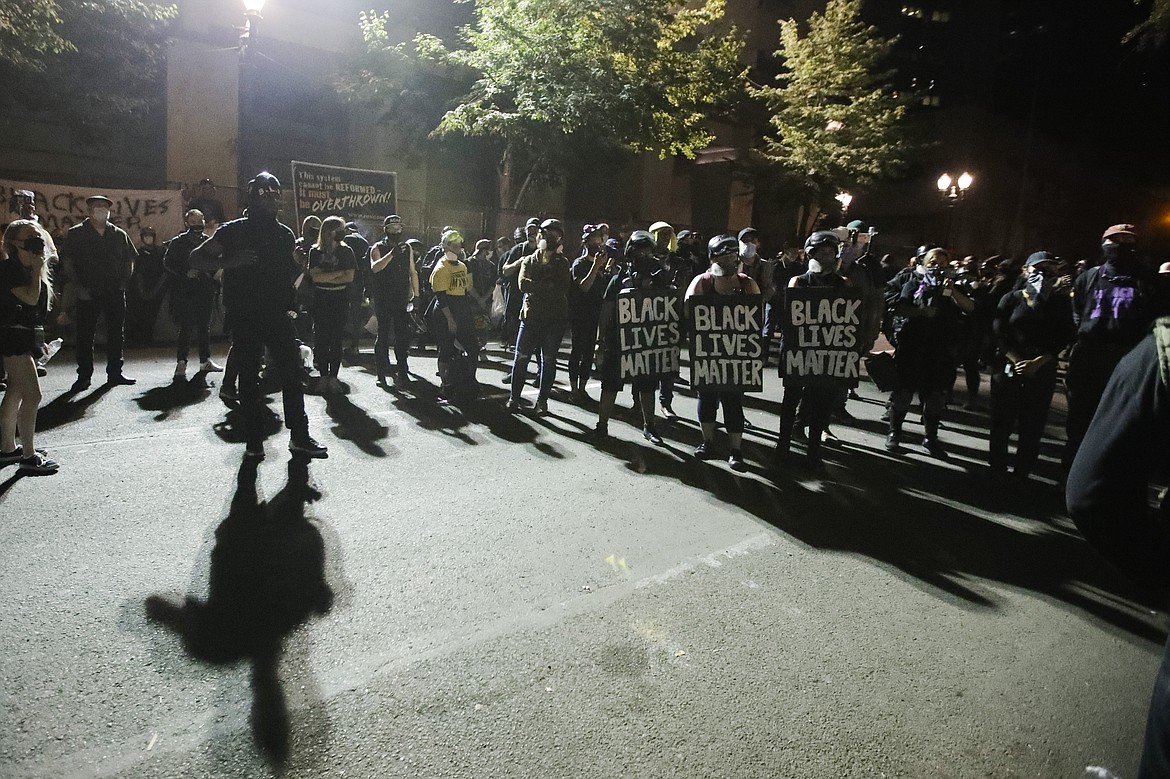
x: 724, y: 265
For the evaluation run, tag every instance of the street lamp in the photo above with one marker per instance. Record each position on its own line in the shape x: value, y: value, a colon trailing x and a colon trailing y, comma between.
x: 845, y: 199
x: 953, y: 191
x: 252, y: 17
x: 252, y: 9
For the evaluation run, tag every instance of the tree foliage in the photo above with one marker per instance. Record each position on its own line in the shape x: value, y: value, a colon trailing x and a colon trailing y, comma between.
x: 100, y: 60
x: 1155, y: 28
x: 834, y: 119
x: 639, y: 74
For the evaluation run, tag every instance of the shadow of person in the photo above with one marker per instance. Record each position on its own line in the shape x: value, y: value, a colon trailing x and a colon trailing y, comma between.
x: 352, y: 423
x: 267, y: 577
x: 66, y: 408
x: 174, y: 396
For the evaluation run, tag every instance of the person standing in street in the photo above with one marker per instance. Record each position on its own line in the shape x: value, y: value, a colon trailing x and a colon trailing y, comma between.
x: 331, y: 270
x: 147, y: 288
x: 192, y: 296
x: 509, y: 274
x: 453, y: 322
x: 1113, y: 307
x: 591, y: 274
x: 25, y: 297
x: 256, y: 253
x: 393, y: 286
x: 357, y: 316
x: 544, y: 280
x: 99, y: 257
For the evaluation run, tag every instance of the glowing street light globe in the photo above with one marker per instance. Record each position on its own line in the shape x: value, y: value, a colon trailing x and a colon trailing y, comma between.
x: 253, y: 7
x: 944, y: 182
x: 966, y: 180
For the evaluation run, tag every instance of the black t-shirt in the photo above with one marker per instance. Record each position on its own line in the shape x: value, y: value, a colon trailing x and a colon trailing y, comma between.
x: 13, y: 310
x: 392, y: 283
x: 340, y: 259
x: 1029, y: 326
x: 264, y: 288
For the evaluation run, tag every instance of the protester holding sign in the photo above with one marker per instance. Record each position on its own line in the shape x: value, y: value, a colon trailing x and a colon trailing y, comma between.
x: 723, y: 364
x: 639, y: 334
x: 821, y: 343
x: 926, y: 328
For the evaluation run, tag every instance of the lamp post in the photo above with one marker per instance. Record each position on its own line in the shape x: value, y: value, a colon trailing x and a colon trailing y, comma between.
x: 953, y: 191
x: 845, y: 199
x: 248, y: 33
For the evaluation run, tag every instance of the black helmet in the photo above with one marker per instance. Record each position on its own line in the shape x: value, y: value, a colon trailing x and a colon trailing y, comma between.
x: 923, y: 249
x: 722, y: 245
x: 640, y: 239
x: 552, y: 224
x: 821, y: 238
x: 263, y: 180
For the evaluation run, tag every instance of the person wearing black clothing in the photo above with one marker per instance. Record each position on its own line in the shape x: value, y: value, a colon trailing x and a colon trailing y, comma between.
x: 100, y: 258
x: 393, y: 285
x: 723, y: 278
x: 509, y: 273
x: 926, y: 308
x: 1113, y: 306
x: 1122, y: 453
x: 647, y: 275
x: 256, y: 252
x: 823, y: 249
x: 208, y: 204
x: 1032, y: 326
x: 192, y: 296
x: 331, y: 270
x: 148, y: 286
x: 590, y: 276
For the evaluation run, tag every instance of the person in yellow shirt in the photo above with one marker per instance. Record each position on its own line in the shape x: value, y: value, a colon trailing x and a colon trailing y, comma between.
x: 452, y: 322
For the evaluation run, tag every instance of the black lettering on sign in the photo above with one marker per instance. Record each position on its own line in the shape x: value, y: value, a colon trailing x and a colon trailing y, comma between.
x: 727, y: 343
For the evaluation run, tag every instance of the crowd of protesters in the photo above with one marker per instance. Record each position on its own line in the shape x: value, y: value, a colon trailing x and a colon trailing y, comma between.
x: 287, y: 297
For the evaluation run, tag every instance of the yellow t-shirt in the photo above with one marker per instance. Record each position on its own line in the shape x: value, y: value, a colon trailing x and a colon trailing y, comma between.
x: 453, y: 278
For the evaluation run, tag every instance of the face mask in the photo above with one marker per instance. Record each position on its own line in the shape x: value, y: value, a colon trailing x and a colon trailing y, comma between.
x: 450, y: 256
x: 196, y: 228
x: 101, y: 215
x: 393, y: 231
x: 722, y: 266
x: 311, y: 236
x: 34, y: 244
x: 1120, y: 254
x: 823, y: 266
x: 747, y: 249
x: 338, y: 236
x: 148, y: 240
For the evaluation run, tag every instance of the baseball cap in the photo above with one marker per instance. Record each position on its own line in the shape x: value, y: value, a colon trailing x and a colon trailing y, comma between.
x: 748, y: 232
x: 1120, y: 230
x: 1038, y: 257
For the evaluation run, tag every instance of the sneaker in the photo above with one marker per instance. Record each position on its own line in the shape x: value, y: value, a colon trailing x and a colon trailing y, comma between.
x: 541, y: 407
x: 180, y: 370
x: 735, y: 460
x: 704, y: 451
x: 42, y: 371
x: 207, y: 366
x: 893, y: 442
x: 305, y: 445
x: 82, y: 383
x: 934, y: 447
x: 512, y: 406
x: 667, y: 411
x: 119, y: 380
x: 229, y: 396
x: 38, y: 465
x: 16, y: 455
x: 651, y: 435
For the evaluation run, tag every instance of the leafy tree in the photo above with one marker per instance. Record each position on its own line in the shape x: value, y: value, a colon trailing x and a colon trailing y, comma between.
x: 1155, y: 28
x: 638, y: 74
x: 835, y: 123
x: 100, y: 61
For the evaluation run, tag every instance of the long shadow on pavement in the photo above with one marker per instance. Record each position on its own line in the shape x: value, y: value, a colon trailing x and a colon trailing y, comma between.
x: 267, y: 577
x: 67, y: 408
x: 352, y: 423
x: 176, y: 395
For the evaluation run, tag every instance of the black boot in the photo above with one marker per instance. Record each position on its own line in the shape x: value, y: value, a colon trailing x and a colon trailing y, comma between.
x: 894, y: 439
x: 930, y: 441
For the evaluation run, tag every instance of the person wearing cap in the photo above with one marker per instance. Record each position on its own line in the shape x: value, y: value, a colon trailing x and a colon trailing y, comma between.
x: 99, y: 258
x: 482, y: 264
x: 1032, y: 326
x: 692, y: 252
x: 332, y: 272
x: 192, y: 295
x: 1114, y: 305
x: 206, y: 202
x: 256, y: 253
x: 509, y: 271
x: 927, y: 310
x: 393, y: 286
x: 760, y: 270
x: 591, y: 273
x: 148, y: 286
x: 453, y: 322
x: 544, y: 280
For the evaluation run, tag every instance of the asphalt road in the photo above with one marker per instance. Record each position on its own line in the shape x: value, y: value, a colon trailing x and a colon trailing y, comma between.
x: 471, y: 594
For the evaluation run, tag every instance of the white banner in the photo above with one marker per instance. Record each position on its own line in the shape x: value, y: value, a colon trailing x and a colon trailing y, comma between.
x: 60, y: 207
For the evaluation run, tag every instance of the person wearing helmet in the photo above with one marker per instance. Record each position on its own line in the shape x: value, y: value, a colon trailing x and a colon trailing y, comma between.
x: 643, y: 273
x: 256, y: 253
x: 453, y: 322
x: 666, y: 250
x: 927, y: 310
x: 393, y: 286
x: 509, y: 270
x: 544, y: 279
x: 722, y: 278
x: 591, y: 273
x: 815, y: 402
x: 1114, y: 305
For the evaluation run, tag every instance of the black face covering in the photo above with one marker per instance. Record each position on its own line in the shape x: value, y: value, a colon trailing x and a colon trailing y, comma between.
x: 1120, y: 255
x: 34, y: 244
